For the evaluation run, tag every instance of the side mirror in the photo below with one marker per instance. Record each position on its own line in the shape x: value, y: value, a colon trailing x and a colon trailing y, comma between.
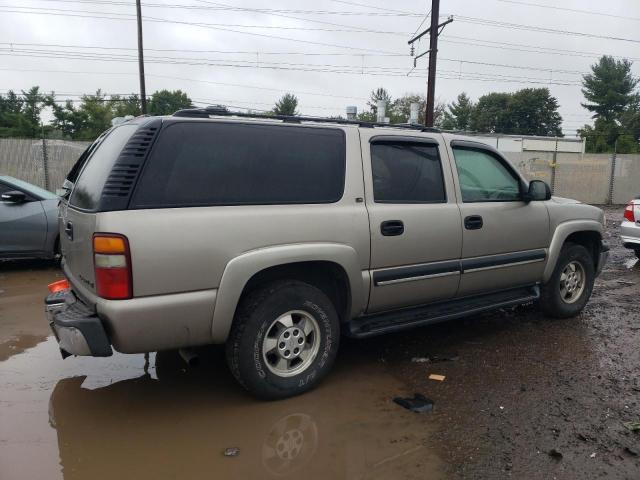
x: 14, y: 196
x: 538, y: 191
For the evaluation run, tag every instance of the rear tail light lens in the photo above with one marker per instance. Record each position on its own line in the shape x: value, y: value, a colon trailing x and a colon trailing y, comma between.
x: 112, y: 262
x: 628, y: 212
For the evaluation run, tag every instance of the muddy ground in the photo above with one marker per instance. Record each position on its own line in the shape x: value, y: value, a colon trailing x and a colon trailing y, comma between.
x: 524, y: 397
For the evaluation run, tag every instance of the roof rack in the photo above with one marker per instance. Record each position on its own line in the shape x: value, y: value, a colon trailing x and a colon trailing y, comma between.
x: 221, y: 110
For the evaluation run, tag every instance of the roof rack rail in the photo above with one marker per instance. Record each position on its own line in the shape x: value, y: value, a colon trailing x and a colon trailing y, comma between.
x: 221, y: 110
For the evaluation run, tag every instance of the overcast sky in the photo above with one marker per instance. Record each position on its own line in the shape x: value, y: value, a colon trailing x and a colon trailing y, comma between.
x: 232, y: 57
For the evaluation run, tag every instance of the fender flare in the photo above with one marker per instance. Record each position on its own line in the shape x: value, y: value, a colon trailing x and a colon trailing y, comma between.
x: 560, y: 235
x: 241, y: 268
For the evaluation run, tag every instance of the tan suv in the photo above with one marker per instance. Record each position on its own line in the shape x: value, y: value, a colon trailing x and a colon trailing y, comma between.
x: 275, y: 235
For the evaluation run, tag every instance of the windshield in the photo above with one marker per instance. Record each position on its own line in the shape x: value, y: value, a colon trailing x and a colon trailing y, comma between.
x: 29, y: 188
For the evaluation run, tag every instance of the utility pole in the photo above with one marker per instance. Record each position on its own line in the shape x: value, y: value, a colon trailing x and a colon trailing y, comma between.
x: 434, y: 31
x: 143, y: 92
x: 433, y: 54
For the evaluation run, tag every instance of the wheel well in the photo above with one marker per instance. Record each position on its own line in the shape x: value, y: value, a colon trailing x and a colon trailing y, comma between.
x: 329, y: 277
x: 590, y: 240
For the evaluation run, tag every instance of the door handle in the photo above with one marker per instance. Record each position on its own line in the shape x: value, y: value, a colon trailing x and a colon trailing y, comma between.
x: 473, y: 222
x: 68, y: 229
x: 392, y: 228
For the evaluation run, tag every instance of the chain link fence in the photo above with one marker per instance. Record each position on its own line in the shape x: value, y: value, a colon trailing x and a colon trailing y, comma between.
x: 591, y: 178
x: 42, y: 162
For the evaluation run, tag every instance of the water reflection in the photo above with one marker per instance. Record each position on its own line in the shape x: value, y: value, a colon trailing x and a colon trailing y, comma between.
x: 178, y: 426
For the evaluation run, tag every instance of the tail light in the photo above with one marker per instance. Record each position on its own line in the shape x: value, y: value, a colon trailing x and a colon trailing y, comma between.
x: 112, y: 262
x: 628, y: 212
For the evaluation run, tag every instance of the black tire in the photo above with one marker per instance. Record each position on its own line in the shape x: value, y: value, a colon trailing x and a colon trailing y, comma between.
x: 254, y: 318
x: 637, y: 252
x: 551, y: 300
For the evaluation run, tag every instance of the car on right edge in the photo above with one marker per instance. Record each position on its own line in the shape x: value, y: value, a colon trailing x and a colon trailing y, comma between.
x: 630, y: 227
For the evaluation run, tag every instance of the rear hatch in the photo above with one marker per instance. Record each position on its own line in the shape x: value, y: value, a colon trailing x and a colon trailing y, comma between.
x: 79, y: 214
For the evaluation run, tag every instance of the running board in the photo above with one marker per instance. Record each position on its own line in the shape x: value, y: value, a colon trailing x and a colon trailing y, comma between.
x: 393, y: 321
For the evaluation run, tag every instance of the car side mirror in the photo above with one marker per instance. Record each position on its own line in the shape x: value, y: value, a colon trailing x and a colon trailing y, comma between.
x: 538, y: 191
x: 14, y: 196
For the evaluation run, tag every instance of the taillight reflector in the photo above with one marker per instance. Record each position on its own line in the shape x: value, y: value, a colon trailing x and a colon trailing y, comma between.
x: 58, y: 286
x: 628, y: 212
x: 112, y: 263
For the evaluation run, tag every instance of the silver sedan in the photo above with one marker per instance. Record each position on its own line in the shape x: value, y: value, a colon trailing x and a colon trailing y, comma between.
x: 28, y: 220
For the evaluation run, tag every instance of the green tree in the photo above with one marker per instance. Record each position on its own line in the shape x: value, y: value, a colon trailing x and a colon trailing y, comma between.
x: 85, y: 122
x: 32, y: 104
x: 377, y: 95
x: 610, y: 88
x: 491, y: 114
x: 286, y: 105
x: 400, y: 109
x: 12, y: 121
x: 458, y: 114
x: 123, y: 106
x: 530, y: 111
x: 165, y: 102
x: 611, y: 95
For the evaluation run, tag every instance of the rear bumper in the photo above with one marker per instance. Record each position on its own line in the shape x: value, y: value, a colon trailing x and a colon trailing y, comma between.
x: 77, y: 329
x: 630, y: 235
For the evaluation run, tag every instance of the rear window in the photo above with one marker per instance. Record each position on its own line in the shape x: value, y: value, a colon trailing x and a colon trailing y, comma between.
x: 198, y: 164
x: 88, y: 188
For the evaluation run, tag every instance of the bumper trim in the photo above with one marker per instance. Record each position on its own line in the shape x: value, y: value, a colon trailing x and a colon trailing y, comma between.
x: 78, y: 330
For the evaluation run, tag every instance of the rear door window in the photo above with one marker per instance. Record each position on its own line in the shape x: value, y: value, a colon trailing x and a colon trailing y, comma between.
x: 406, y: 172
x: 198, y: 164
x: 88, y: 188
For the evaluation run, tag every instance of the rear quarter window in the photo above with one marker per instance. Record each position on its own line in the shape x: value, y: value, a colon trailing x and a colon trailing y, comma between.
x: 200, y: 164
x: 94, y: 174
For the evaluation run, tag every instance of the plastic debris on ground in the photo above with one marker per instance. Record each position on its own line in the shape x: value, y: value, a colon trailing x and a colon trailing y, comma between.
x: 419, y: 403
x: 435, y: 376
x: 231, y: 452
x: 633, y: 426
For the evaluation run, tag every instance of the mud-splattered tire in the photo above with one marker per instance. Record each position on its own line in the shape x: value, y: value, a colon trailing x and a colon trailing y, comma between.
x: 283, y: 340
x: 571, y: 284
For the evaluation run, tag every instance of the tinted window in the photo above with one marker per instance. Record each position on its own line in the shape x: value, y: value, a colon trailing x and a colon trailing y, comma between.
x: 407, y: 173
x: 88, y: 188
x: 484, y: 178
x: 234, y: 164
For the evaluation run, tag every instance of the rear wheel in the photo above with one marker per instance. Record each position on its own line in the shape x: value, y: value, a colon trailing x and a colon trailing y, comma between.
x: 637, y: 253
x: 283, y: 340
x: 570, y: 286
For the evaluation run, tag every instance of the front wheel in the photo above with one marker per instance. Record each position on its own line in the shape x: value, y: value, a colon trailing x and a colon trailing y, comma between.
x: 571, y: 283
x: 283, y: 340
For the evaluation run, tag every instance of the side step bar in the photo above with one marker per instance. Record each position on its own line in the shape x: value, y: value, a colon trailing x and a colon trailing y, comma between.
x: 393, y: 321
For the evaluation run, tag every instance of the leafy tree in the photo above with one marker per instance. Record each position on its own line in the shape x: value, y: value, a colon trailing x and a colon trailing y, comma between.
x: 377, y: 95
x: 530, y: 111
x: 85, y: 122
x: 286, y: 105
x: 12, y: 121
x: 610, y: 88
x: 400, y: 110
x: 20, y: 113
x: 610, y: 91
x: 458, y: 114
x: 123, y: 106
x: 491, y: 114
x: 165, y: 102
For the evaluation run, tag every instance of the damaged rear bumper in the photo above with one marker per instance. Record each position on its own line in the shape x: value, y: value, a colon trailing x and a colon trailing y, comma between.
x: 76, y: 327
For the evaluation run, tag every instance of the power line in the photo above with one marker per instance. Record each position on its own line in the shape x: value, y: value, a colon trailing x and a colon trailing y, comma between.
x: 225, y: 7
x: 117, y: 56
x: 573, y: 10
x: 534, y: 28
x: 104, y: 16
